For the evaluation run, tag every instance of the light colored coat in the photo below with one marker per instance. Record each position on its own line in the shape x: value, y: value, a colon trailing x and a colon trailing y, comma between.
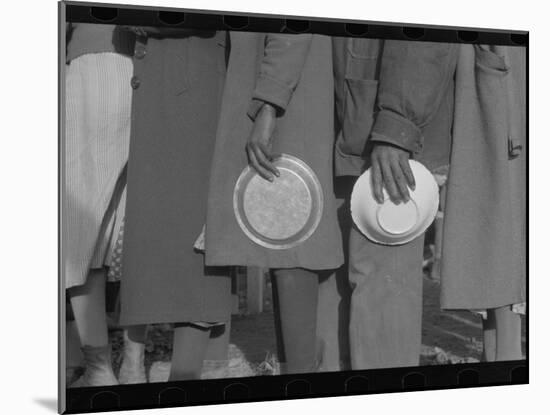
x: 484, y: 248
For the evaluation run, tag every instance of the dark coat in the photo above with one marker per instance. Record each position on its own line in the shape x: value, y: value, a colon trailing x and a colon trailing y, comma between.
x: 294, y: 73
x: 483, y: 258
x: 178, y: 84
x: 85, y: 38
x: 373, y: 104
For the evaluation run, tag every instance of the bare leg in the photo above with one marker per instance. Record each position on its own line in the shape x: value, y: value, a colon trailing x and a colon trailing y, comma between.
x: 508, y: 334
x: 489, y: 337
x: 74, y: 354
x: 132, y: 369
x: 75, y: 360
x: 190, y: 344
x: 298, y: 292
x: 88, y: 304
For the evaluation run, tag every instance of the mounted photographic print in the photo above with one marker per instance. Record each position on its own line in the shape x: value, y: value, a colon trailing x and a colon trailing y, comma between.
x: 261, y: 207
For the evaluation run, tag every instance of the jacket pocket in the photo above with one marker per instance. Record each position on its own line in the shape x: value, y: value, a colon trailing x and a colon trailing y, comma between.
x: 491, y: 73
x: 363, y: 48
x: 360, y: 98
x: 489, y: 61
x: 363, y: 58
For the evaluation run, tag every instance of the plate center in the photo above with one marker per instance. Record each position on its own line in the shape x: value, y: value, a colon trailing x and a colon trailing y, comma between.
x: 278, y: 209
x: 397, y: 219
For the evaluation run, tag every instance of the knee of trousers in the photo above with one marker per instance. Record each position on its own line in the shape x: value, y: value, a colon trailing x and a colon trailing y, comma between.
x: 395, y: 267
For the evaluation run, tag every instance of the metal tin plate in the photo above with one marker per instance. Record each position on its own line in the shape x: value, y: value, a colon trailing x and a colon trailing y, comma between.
x: 280, y: 214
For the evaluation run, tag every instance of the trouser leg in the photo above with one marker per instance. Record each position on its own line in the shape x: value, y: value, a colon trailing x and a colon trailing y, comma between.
x: 333, y: 321
x: 508, y: 334
x: 489, y: 337
x: 386, y: 303
x: 88, y: 304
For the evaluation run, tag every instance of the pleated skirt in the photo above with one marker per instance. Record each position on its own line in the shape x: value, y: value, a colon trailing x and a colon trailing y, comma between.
x: 98, y: 112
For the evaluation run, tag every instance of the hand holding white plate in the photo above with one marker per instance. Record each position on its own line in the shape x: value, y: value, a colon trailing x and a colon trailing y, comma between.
x: 391, y: 224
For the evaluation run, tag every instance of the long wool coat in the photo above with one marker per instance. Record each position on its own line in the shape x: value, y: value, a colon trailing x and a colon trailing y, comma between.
x: 178, y: 84
x: 293, y: 72
x: 484, y: 248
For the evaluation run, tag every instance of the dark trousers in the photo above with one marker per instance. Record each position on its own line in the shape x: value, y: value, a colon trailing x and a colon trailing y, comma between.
x: 315, y: 311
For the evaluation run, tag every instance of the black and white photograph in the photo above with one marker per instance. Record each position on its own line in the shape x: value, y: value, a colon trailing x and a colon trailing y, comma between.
x: 238, y: 204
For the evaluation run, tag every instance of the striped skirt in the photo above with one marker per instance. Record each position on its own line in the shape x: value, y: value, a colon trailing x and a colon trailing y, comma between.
x: 98, y: 111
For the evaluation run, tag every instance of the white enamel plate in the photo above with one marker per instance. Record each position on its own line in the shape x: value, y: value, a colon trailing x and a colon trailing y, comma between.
x: 391, y: 224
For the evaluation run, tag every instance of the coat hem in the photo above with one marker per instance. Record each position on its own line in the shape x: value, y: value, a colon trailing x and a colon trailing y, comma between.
x: 478, y: 306
x: 216, y: 262
x: 170, y: 318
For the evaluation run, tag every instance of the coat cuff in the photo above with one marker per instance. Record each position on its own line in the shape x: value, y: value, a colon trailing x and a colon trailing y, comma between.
x: 269, y: 90
x: 395, y: 129
x: 254, y: 108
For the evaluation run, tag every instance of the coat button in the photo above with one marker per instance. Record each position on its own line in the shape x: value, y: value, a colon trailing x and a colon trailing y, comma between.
x: 514, y: 148
x: 135, y: 82
x: 140, y: 52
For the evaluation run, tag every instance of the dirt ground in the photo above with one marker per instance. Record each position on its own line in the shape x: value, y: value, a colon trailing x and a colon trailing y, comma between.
x: 447, y: 337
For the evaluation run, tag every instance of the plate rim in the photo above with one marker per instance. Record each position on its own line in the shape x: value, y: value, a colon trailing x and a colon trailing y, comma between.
x: 316, y: 196
x: 411, y: 236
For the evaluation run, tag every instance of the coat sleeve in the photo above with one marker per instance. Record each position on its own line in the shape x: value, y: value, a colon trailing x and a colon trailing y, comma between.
x: 280, y: 70
x: 413, y: 79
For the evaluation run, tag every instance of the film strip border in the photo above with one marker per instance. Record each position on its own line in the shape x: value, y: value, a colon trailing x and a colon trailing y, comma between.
x: 268, y: 388
x: 218, y: 20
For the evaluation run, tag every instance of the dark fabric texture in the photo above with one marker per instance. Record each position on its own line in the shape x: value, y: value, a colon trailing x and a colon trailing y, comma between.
x: 375, y: 103
x: 334, y: 293
x: 294, y: 73
x: 85, y: 38
x: 178, y: 84
x: 297, y: 300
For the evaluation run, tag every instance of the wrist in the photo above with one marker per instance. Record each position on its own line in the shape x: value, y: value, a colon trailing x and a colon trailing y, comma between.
x: 268, y: 109
x: 390, y: 145
x: 258, y: 107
